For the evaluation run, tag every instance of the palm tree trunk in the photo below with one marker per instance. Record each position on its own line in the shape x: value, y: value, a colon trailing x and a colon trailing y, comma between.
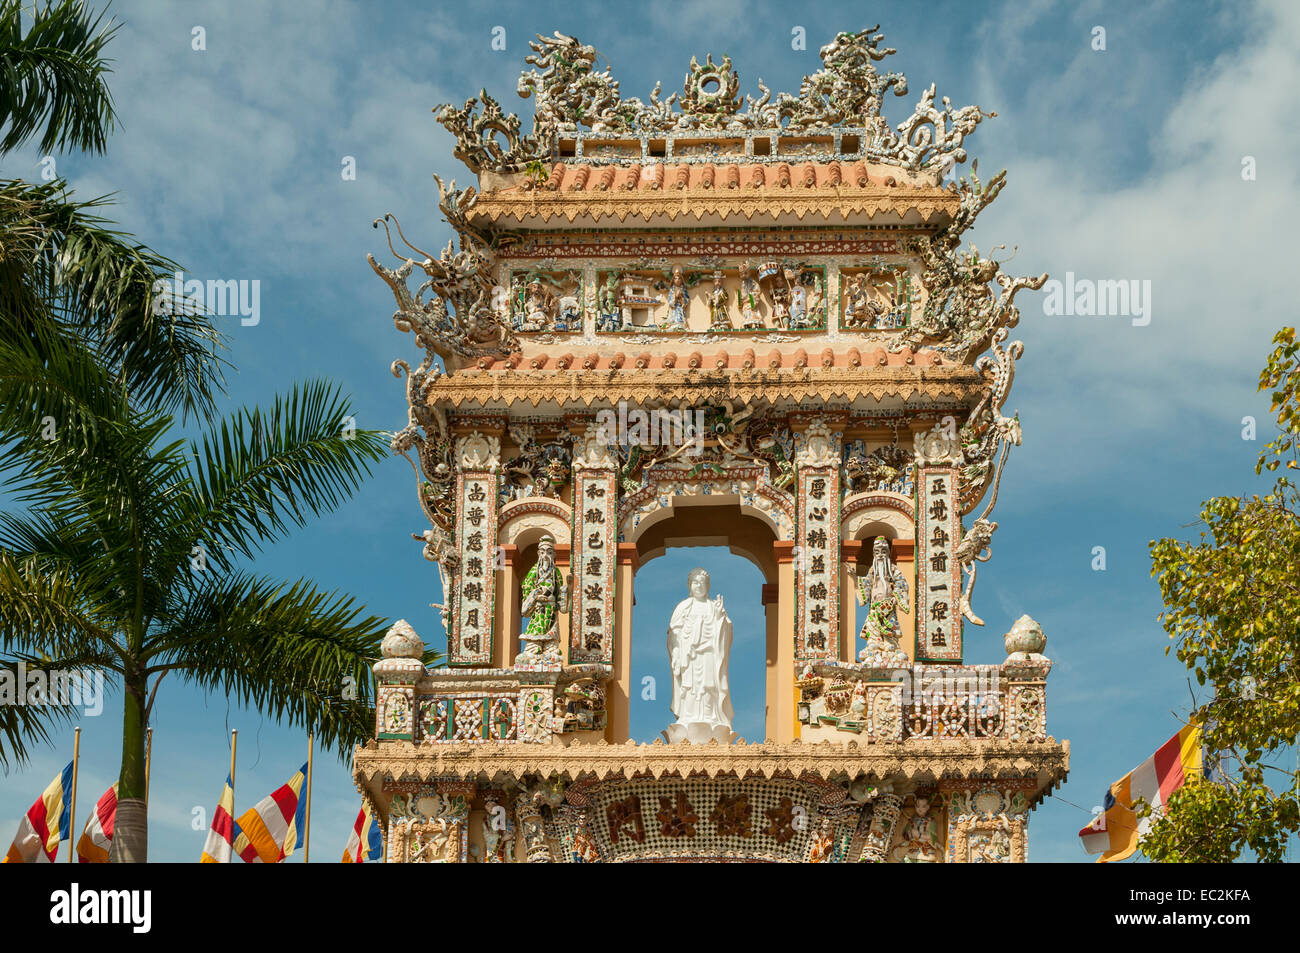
x: 131, y: 826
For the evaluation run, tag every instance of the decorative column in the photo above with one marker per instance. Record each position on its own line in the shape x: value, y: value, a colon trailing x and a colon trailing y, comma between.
x: 850, y: 550
x: 508, y: 619
x: 478, y: 460
x: 531, y: 824
x: 771, y: 606
x: 1024, y: 677
x: 938, y: 531
x: 618, y: 701
x: 787, y: 724
x: 817, y: 531
x: 595, y: 549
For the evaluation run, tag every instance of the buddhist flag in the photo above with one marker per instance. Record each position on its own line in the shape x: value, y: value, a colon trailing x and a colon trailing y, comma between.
x: 1115, y: 833
x: 271, y: 831
x: 47, y: 822
x: 217, y: 848
x: 366, y: 842
x: 98, y: 835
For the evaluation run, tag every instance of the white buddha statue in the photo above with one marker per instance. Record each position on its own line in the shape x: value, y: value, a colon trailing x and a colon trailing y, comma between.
x: 699, y: 650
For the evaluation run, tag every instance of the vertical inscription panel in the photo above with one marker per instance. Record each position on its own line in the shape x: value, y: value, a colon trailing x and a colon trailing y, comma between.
x: 938, y: 574
x: 476, y: 523
x: 595, y: 546
x: 817, y: 564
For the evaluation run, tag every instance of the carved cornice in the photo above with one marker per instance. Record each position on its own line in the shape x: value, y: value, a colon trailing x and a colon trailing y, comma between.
x: 928, y: 204
x: 944, y: 383
x: 1047, y: 762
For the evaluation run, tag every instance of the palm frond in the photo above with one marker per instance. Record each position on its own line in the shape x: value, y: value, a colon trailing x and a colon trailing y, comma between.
x: 62, y: 265
x: 264, y: 471
x: 47, y: 616
x: 23, y: 728
x: 291, y: 651
x: 53, y: 76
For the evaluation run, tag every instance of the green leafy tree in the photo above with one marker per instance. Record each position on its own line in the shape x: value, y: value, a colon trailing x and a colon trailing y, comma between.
x: 1233, y: 610
x: 77, y: 308
x: 128, y: 558
x: 126, y: 554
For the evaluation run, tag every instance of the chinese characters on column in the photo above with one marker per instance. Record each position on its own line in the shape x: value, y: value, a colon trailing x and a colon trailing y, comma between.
x: 817, y: 564
x: 938, y: 589
x: 476, y: 531
x: 595, y: 545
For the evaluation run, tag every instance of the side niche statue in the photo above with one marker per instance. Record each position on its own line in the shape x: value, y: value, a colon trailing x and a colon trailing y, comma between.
x: 699, y: 651
x: 884, y: 592
x: 545, y: 590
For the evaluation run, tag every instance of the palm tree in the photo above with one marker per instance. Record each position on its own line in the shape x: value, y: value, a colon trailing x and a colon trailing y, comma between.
x: 128, y: 561
x: 76, y: 297
x: 126, y: 556
x: 66, y: 277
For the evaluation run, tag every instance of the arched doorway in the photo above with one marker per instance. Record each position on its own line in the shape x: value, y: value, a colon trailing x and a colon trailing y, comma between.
x: 735, y: 545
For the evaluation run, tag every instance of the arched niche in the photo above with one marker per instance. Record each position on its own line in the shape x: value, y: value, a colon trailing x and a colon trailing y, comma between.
x: 863, y: 518
x: 523, y: 522
x: 877, y: 513
x: 667, y: 487
x: 520, y: 525
x: 709, y: 520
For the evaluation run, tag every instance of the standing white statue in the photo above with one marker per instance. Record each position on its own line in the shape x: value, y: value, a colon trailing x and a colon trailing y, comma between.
x: 699, y: 650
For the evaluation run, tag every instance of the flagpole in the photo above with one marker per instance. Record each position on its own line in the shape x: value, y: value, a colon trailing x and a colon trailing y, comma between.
x: 234, y: 740
x: 306, y: 834
x: 72, y: 808
x: 148, y: 761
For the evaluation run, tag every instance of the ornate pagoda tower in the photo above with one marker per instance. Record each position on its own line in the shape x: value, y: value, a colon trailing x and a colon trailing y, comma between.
x: 708, y: 320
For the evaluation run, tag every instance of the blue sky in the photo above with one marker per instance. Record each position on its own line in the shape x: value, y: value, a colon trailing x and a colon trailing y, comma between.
x: 1123, y: 163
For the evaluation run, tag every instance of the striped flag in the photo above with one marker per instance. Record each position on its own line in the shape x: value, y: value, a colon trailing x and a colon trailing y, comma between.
x: 366, y: 842
x: 274, y: 829
x: 1115, y: 832
x: 217, y: 848
x: 98, y: 835
x: 37, y: 841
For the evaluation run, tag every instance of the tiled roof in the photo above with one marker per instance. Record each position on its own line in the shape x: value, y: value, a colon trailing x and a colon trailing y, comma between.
x: 801, y: 189
x: 738, y: 357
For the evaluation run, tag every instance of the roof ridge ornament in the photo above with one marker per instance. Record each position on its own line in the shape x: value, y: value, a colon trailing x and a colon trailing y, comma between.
x: 571, y: 94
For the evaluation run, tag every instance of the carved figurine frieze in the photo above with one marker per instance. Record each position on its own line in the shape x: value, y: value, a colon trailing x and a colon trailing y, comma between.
x: 890, y: 468
x: 546, y: 301
x: 537, y: 469
x: 748, y: 298
x: 719, y: 316
x: 580, y: 707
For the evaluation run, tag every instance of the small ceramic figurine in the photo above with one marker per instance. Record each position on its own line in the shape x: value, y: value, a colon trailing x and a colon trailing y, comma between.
x: 677, y: 302
x: 798, y: 300
x: 718, y: 317
x: 747, y: 298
